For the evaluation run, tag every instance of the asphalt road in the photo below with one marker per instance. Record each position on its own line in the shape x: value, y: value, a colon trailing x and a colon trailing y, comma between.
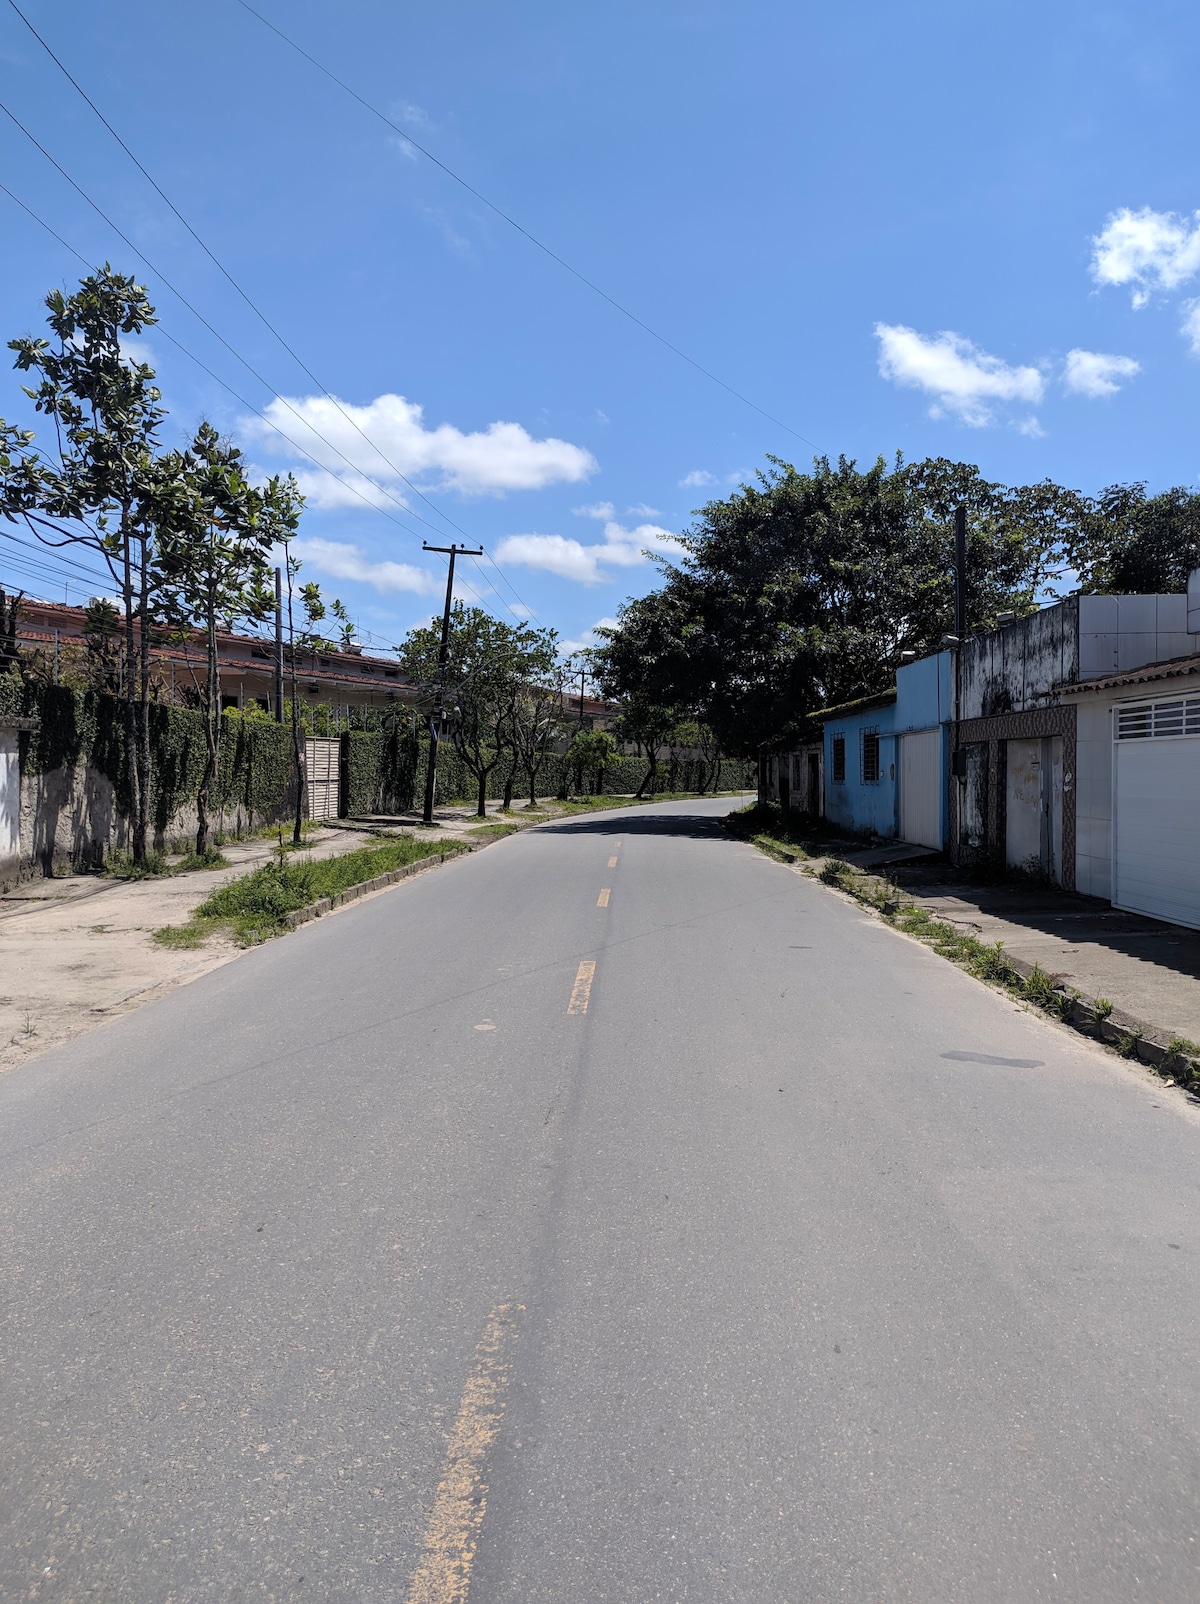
x: 798, y: 1267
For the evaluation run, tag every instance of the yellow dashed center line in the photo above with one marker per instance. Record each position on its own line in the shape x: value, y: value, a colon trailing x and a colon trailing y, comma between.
x: 444, y: 1573
x: 582, y: 989
x: 612, y: 863
x: 602, y: 899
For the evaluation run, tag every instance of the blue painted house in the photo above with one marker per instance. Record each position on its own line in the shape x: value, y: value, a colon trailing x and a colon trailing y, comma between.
x: 887, y: 757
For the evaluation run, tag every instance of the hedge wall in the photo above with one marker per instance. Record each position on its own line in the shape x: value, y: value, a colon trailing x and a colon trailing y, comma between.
x: 386, y: 774
x: 77, y: 728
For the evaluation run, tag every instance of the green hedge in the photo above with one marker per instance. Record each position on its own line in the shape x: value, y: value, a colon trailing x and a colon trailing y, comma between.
x: 386, y: 774
x: 77, y: 728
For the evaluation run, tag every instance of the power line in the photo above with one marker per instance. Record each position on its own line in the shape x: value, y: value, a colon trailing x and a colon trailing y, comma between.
x: 524, y: 232
x: 254, y: 307
x: 253, y: 371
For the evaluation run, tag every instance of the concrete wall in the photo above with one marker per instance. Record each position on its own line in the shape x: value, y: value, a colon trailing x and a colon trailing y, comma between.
x: 1120, y: 633
x: 1016, y: 667
x: 852, y: 804
x: 924, y: 693
x: 69, y: 819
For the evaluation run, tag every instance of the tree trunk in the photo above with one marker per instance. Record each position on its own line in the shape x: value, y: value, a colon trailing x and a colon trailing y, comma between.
x: 212, y: 738
x: 649, y: 775
x: 481, y: 810
x: 508, y: 789
x: 533, y: 787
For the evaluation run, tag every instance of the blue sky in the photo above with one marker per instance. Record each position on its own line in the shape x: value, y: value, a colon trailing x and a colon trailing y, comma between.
x: 970, y: 231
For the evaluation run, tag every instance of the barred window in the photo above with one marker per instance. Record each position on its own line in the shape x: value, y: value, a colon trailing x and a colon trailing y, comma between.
x: 870, y: 757
x: 839, y: 760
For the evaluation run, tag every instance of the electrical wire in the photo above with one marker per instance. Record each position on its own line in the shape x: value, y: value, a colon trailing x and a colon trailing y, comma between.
x: 254, y: 307
x: 204, y: 366
x: 524, y: 232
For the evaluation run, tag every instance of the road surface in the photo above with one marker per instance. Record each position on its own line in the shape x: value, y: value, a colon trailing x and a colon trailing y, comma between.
x: 615, y: 1216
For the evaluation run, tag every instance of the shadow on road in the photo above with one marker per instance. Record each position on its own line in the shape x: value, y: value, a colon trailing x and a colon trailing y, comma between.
x: 695, y: 826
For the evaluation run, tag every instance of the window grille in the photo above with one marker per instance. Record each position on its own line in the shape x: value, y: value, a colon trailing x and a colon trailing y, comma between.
x: 839, y: 759
x: 1155, y: 720
x: 870, y: 757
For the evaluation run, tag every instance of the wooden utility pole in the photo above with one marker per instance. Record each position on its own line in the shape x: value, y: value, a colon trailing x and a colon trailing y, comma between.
x: 278, y: 646
x: 439, y: 710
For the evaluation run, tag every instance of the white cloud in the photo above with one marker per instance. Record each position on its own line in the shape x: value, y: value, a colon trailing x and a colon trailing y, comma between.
x: 1095, y: 374
x: 343, y: 561
x: 490, y: 461
x: 1147, y: 249
x: 589, y: 636
x: 698, y: 479
x: 571, y: 559
x: 965, y: 381
x: 1191, y: 326
x: 640, y: 510
x: 405, y: 146
x: 603, y: 510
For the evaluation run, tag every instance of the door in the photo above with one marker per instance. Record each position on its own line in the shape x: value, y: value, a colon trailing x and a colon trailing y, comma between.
x: 814, y: 784
x: 323, y: 773
x: 921, y: 788
x: 1033, y: 807
x: 1156, y: 783
x: 10, y: 795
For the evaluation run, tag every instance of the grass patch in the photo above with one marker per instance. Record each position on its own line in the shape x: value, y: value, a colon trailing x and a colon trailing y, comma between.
x: 214, y: 858
x: 255, y: 906
x: 495, y: 831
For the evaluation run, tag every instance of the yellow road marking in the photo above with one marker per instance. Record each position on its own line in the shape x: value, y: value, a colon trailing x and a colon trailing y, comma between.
x: 582, y: 989
x: 602, y: 899
x: 612, y: 863
x: 444, y: 1573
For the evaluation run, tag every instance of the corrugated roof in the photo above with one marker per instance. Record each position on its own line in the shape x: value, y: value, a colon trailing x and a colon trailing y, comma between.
x: 1172, y: 668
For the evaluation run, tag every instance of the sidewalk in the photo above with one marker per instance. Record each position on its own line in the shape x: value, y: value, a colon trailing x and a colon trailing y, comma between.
x: 1148, y: 970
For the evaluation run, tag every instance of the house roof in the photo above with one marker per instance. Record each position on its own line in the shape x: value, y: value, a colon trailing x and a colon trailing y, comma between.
x: 864, y: 704
x: 1172, y: 668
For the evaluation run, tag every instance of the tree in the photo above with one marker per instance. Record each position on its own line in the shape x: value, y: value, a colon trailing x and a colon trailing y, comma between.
x: 591, y: 751
x: 535, y: 717
x: 806, y: 589
x: 214, y: 560
x: 100, y: 485
x: 1130, y: 542
x: 483, y: 675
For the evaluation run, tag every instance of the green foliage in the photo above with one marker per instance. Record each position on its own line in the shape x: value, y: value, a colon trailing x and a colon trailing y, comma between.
x: 1139, y: 544
x: 82, y: 727
x: 12, y: 694
x: 257, y: 904
x: 803, y: 590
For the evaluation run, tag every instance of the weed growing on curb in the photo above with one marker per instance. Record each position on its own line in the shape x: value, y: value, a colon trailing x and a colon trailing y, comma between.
x: 254, y: 907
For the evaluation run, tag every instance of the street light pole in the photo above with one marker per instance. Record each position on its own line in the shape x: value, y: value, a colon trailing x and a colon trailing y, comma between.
x: 435, y: 724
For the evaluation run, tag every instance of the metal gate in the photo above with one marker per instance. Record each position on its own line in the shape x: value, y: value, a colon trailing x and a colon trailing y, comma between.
x: 1156, y: 847
x: 323, y: 772
x: 921, y: 788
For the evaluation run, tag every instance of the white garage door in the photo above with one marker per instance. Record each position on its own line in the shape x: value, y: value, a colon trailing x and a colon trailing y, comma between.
x: 1156, y: 825
x: 921, y: 788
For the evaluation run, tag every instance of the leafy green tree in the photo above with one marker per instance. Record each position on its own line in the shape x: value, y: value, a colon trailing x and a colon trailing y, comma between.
x: 535, y: 716
x: 1130, y: 542
x: 483, y: 675
x: 806, y: 589
x: 99, y: 484
x: 591, y: 751
x: 214, y: 552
